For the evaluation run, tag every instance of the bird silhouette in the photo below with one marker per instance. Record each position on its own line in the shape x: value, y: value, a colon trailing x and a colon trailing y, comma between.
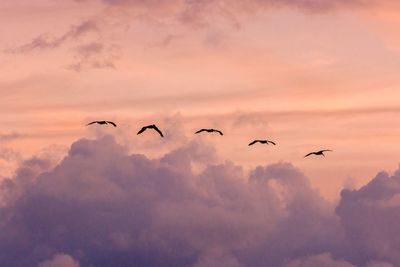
x: 102, y: 123
x: 209, y: 131
x: 318, y: 153
x: 262, y: 142
x: 152, y: 126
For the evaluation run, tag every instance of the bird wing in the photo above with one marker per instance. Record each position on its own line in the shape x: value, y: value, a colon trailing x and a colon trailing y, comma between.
x: 93, y: 122
x: 252, y: 143
x: 199, y: 131
x: 142, y: 130
x: 158, y: 130
x: 218, y: 131
x: 112, y: 123
x: 326, y: 150
x: 309, y: 154
x: 271, y: 142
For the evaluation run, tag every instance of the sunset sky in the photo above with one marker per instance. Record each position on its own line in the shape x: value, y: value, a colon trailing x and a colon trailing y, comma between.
x: 308, y: 74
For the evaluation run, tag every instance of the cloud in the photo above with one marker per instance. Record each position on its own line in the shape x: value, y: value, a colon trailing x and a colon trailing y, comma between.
x: 211, y: 13
x: 102, y: 206
x: 369, y: 216
x: 321, y: 260
x: 190, y: 11
x: 9, y: 136
x: 92, y: 52
x: 60, y: 260
x: 95, y: 55
x: 42, y: 42
x: 379, y: 264
x: 310, y: 5
x: 9, y: 154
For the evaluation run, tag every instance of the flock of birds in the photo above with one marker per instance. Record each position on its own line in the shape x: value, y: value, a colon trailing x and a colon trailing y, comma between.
x: 155, y: 128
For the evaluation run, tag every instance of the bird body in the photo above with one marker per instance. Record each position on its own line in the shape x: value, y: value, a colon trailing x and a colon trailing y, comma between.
x: 262, y: 142
x: 102, y: 123
x: 152, y: 126
x: 318, y: 153
x: 209, y: 131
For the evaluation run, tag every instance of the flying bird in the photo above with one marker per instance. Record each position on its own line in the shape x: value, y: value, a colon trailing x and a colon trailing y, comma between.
x: 152, y: 126
x: 318, y: 153
x: 262, y: 142
x: 102, y: 122
x: 209, y: 131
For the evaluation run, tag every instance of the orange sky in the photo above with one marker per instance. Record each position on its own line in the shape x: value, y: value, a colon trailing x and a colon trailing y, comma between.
x: 307, y: 74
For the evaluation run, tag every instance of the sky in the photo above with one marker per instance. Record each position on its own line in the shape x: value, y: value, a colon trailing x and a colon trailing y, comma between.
x: 307, y: 74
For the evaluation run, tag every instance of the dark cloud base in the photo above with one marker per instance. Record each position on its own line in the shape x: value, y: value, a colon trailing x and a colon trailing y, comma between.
x: 101, y: 206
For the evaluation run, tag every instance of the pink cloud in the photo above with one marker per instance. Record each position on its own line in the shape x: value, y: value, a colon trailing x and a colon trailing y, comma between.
x: 60, y: 260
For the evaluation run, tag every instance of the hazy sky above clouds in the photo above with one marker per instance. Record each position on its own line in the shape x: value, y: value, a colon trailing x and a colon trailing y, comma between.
x: 309, y: 74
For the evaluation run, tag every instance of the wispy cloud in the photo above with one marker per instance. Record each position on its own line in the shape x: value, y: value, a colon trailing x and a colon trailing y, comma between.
x: 43, y: 41
x: 96, y: 55
x: 5, y: 137
x: 198, y: 12
x: 91, y: 52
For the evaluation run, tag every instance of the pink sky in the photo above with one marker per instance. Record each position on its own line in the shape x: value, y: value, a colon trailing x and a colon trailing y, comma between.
x: 307, y: 74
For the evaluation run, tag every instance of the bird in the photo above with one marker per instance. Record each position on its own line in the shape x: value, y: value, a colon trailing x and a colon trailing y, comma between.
x: 102, y: 122
x: 318, y: 153
x: 152, y: 126
x: 262, y: 142
x: 209, y: 131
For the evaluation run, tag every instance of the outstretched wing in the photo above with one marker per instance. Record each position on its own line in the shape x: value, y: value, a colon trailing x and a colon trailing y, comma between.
x: 112, y: 123
x: 199, y: 131
x: 312, y: 153
x: 218, y: 131
x: 158, y: 130
x: 142, y: 130
x: 93, y: 122
x: 271, y: 142
x: 326, y: 150
x: 252, y: 143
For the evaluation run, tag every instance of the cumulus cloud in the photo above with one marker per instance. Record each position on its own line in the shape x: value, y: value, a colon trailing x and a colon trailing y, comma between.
x: 369, y: 216
x: 60, y: 260
x: 102, y: 206
x: 321, y: 260
x: 379, y: 264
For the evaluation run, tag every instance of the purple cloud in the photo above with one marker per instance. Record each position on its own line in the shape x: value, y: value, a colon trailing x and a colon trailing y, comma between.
x: 321, y: 260
x: 370, y: 218
x: 101, y: 206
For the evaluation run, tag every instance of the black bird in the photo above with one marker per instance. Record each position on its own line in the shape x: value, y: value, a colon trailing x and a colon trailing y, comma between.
x: 102, y: 122
x: 209, y: 131
x: 318, y: 153
x: 152, y: 126
x: 262, y: 142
